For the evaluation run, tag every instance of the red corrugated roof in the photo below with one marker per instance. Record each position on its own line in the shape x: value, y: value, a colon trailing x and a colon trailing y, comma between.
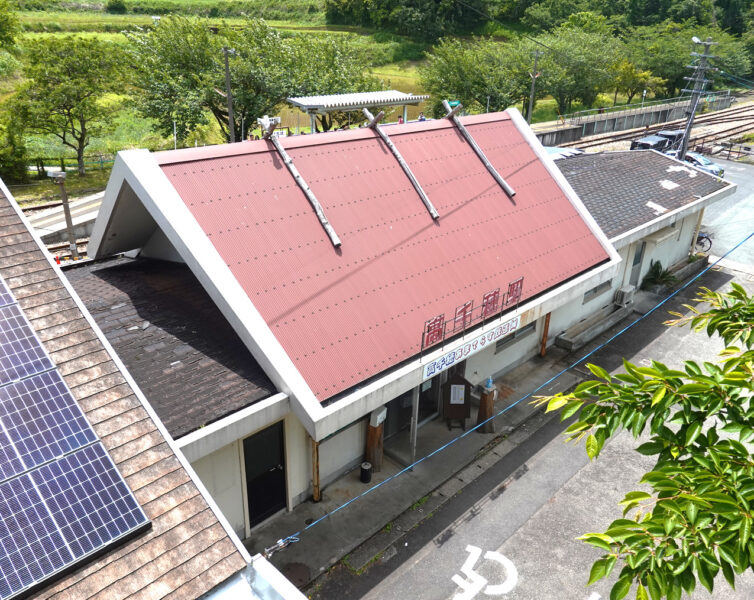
x: 344, y: 315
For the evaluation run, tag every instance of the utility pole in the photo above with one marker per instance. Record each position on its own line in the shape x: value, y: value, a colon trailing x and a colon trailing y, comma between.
x: 699, y: 83
x: 231, y: 123
x: 59, y: 179
x: 533, y: 75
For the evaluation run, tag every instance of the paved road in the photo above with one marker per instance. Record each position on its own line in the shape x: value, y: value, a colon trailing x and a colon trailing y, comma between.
x: 512, y: 536
x: 732, y: 219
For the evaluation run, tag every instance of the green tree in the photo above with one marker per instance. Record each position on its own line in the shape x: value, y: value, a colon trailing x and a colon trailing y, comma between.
x: 630, y: 80
x: 696, y: 520
x: 418, y: 19
x: 579, y: 65
x: 67, y: 80
x: 475, y: 73
x: 179, y: 74
x: 329, y: 65
x: 8, y: 24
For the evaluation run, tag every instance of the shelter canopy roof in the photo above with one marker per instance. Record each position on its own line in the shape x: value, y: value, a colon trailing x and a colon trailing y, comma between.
x: 355, y: 101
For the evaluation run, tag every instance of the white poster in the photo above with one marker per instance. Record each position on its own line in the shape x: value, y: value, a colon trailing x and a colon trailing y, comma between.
x: 456, y: 394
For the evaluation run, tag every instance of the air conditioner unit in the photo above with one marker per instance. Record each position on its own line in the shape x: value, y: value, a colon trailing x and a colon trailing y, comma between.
x: 625, y: 295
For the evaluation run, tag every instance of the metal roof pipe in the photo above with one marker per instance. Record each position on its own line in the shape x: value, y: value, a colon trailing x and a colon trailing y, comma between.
x: 374, y: 124
x: 467, y: 136
x: 269, y: 126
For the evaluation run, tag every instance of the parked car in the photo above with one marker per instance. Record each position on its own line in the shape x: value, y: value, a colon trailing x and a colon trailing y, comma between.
x: 704, y: 163
x: 675, y: 136
x: 651, y: 142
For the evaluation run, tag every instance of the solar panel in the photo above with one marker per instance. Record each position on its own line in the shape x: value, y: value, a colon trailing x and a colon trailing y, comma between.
x: 21, y: 353
x: 62, y: 499
x: 88, y: 500
x: 5, y: 296
x: 42, y: 419
x: 31, y: 545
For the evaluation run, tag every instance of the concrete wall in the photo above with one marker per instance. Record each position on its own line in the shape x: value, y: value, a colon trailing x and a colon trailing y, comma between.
x: 220, y: 473
x: 488, y: 363
x: 671, y: 245
x: 621, y: 121
x: 298, y: 461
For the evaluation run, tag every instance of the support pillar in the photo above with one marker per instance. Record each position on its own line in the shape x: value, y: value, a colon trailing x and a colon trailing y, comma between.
x: 545, y: 333
x: 375, y: 437
x: 313, y: 122
x: 374, y: 449
x: 316, y: 492
x: 414, y: 421
x: 405, y: 114
x: 486, y: 410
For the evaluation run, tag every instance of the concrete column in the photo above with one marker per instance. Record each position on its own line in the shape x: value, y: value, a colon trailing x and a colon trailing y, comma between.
x: 414, y: 421
x: 486, y: 410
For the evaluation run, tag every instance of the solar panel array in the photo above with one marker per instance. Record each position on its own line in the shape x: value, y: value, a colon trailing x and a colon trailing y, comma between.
x: 62, y: 499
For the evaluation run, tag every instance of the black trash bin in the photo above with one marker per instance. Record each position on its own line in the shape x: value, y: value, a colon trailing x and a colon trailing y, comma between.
x: 366, y: 472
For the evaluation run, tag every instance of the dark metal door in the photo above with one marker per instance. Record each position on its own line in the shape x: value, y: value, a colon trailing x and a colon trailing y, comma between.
x: 265, y: 473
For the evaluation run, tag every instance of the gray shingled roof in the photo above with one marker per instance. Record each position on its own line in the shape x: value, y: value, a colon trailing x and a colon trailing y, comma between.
x: 173, y: 339
x: 616, y: 186
x: 187, y: 551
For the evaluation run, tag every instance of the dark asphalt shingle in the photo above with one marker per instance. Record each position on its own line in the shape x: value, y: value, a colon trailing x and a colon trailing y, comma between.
x: 179, y: 348
x: 616, y: 186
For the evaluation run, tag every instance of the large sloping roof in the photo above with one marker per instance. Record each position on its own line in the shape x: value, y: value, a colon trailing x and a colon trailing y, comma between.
x: 626, y: 190
x: 187, y: 552
x: 344, y: 315
x: 172, y: 338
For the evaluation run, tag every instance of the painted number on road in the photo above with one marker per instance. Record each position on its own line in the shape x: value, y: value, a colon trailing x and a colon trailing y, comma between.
x: 473, y: 583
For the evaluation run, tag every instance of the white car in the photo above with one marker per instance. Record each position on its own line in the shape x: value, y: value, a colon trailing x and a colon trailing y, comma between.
x: 704, y: 163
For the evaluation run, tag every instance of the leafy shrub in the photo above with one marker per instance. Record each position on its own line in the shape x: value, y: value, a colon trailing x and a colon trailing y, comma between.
x: 116, y: 6
x: 656, y: 275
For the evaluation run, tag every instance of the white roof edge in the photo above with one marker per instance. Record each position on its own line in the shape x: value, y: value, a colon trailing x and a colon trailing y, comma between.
x: 554, y: 171
x: 130, y: 380
x: 150, y: 184
x: 202, y: 442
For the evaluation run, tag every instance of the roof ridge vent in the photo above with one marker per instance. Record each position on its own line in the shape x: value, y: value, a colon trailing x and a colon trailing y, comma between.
x: 467, y: 136
x: 268, y: 126
x: 374, y: 123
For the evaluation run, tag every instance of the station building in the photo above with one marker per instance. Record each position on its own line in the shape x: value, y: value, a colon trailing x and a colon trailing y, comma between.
x: 291, y: 306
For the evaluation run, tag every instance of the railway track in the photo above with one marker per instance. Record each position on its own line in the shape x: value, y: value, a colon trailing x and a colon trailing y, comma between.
x: 730, y: 115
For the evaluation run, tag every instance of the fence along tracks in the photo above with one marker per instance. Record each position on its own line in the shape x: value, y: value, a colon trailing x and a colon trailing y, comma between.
x: 728, y: 115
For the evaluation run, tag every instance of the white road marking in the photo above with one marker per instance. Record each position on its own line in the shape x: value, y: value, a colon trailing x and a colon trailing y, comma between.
x: 474, y: 582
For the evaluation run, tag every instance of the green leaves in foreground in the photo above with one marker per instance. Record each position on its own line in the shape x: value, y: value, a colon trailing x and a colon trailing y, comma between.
x: 693, y: 520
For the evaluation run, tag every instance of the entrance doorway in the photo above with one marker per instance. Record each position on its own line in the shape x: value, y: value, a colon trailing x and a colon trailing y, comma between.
x: 636, y: 264
x: 264, y: 462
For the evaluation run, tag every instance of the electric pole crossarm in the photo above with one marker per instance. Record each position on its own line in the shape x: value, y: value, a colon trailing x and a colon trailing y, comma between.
x: 474, y: 146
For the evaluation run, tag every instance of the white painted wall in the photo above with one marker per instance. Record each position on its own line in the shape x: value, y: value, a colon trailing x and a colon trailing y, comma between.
x: 220, y: 472
x: 298, y: 461
x: 675, y: 248
x: 486, y: 363
x: 342, y: 452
